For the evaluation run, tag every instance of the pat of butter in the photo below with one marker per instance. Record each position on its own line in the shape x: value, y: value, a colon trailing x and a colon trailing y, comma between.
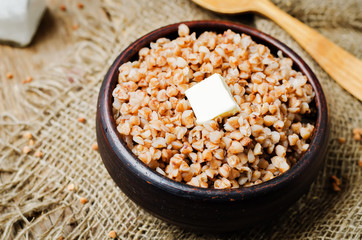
x: 211, y: 98
x: 19, y: 20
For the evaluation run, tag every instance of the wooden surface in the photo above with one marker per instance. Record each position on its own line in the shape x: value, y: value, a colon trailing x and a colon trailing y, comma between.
x: 49, y: 45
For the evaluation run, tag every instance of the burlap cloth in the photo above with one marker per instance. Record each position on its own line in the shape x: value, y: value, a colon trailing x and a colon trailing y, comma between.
x: 34, y: 200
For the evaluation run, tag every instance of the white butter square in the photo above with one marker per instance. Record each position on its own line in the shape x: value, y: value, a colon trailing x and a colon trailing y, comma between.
x: 211, y: 98
x: 19, y: 20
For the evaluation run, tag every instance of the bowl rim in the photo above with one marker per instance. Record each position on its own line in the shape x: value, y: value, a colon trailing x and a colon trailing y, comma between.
x: 182, y: 189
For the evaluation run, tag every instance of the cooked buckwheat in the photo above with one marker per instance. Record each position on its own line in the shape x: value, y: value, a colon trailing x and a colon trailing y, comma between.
x: 261, y: 142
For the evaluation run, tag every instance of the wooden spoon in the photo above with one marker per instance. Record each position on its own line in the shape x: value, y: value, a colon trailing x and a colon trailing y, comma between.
x: 342, y: 66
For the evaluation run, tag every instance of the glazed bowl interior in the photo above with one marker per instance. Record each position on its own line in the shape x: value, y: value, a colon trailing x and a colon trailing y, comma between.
x: 311, y: 159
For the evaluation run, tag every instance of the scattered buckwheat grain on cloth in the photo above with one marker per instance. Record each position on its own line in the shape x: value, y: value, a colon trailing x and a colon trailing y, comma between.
x: 53, y: 184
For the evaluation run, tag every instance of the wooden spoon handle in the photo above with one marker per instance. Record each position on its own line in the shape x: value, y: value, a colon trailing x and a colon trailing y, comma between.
x: 342, y: 66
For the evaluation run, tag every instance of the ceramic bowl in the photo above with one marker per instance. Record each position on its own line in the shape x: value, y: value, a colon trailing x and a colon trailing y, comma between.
x: 197, y: 208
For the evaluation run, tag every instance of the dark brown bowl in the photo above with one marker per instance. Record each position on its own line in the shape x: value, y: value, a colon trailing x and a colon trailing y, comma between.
x: 207, y: 209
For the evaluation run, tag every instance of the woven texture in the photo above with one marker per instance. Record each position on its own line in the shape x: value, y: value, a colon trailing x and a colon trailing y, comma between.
x: 35, y: 202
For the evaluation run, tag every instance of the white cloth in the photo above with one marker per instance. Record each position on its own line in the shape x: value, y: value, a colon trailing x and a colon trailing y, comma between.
x: 19, y: 20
